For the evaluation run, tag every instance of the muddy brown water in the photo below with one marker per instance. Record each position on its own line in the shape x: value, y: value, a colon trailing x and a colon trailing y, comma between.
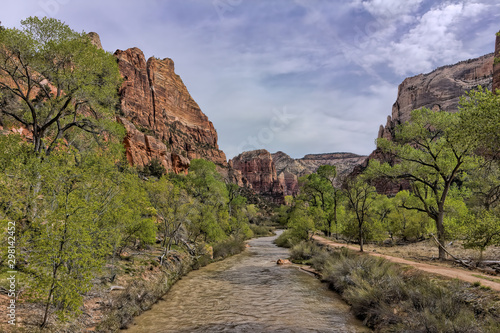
x: 249, y: 293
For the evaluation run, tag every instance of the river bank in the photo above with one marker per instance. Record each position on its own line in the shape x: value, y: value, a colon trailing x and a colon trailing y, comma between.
x: 128, y: 286
x: 249, y: 292
x: 392, y: 298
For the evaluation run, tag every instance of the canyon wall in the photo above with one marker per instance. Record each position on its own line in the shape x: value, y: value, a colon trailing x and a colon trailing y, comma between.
x: 289, y: 169
x: 258, y: 172
x: 162, y: 120
x: 277, y: 175
x: 439, y: 90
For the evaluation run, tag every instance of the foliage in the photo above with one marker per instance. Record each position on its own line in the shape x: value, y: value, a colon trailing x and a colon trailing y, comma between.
x: 322, y: 192
x: 154, y: 168
x: 390, y: 298
x: 483, y: 231
x: 58, y: 81
x: 432, y: 156
x: 480, y: 120
x: 361, y: 197
x: 406, y: 224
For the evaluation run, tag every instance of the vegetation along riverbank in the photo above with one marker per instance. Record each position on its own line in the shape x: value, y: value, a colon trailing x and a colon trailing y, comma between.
x: 393, y: 298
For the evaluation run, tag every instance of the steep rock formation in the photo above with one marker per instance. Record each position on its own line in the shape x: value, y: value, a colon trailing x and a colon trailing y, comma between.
x: 289, y: 169
x: 95, y: 39
x: 259, y: 172
x: 157, y: 104
x: 141, y: 148
x: 496, y: 64
x: 439, y: 90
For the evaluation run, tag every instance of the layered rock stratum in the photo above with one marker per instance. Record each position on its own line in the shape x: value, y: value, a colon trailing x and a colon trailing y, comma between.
x: 161, y: 118
x: 439, y: 90
x: 290, y: 169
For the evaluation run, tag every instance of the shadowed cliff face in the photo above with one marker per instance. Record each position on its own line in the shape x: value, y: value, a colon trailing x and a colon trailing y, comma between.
x: 162, y: 120
x: 439, y: 90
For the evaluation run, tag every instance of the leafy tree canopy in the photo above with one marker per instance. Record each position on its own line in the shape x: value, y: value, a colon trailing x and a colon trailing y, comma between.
x: 53, y: 80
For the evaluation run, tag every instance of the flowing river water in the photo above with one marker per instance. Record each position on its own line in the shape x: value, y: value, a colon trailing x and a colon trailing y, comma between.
x: 249, y: 292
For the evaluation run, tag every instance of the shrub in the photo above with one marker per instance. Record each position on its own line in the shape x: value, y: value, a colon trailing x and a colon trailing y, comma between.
x: 287, y: 239
x: 261, y: 230
x: 391, y: 298
x: 229, y: 246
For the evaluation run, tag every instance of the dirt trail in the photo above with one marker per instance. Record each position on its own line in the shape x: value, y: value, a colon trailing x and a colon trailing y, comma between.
x: 454, y: 273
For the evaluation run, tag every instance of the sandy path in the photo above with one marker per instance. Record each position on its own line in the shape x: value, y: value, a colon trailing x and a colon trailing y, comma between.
x: 454, y: 273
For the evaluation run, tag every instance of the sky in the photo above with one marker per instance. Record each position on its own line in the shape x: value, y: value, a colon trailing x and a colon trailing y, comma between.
x: 298, y: 76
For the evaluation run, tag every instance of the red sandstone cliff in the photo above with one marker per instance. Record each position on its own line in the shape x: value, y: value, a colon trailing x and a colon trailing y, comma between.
x: 439, y: 90
x: 162, y: 120
x: 259, y: 173
x: 276, y: 175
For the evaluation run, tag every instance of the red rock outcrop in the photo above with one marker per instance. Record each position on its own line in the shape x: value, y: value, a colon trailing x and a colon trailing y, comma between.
x: 141, y: 148
x: 496, y: 64
x: 289, y: 169
x: 167, y: 124
x: 439, y: 90
x: 259, y: 172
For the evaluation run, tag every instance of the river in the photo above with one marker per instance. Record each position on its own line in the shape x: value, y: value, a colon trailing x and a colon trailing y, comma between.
x: 249, y: 293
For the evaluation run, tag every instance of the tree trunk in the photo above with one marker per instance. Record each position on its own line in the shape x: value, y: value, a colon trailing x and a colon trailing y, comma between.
x: 440, y: 234
x: 335, y: 215
x: 360, y: 239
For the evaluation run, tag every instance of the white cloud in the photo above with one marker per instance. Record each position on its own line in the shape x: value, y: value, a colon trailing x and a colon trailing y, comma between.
x: 433, y: 40
x: 391, y: 9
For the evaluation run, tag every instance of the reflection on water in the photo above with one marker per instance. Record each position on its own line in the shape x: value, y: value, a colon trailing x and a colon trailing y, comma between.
x: 249, y: 293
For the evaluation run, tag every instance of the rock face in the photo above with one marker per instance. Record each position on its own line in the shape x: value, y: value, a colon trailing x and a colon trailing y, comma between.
x: 496, y: 64
x: 95, y: 39
x: 162, y: 120
x: 439, y: 90
x: 276, y: 175
x: 289, y: 169
x: 259, y: 173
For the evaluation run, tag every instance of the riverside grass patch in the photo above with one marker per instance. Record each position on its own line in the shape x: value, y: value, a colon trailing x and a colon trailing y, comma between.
x: 392, y: 298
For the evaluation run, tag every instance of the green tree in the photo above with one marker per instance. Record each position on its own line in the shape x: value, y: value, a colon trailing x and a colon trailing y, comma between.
x: 404, y: 223
x: 432, y: 154
x: 322, y: 192
x: 328, y: 173
x: 58, y: 81
x: 64, y: 244
x: 480, y: 120
x: 483, y: 232
x: 361, y: 197
x: 205, y: 185
x: 172, y: 205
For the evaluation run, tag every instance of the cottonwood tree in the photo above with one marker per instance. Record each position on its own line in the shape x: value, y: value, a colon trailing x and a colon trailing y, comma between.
x: 53, y: 80
x: 322, y: 192
x: 360, y: 197
x: 432, y: 154
x: 172, y: 205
